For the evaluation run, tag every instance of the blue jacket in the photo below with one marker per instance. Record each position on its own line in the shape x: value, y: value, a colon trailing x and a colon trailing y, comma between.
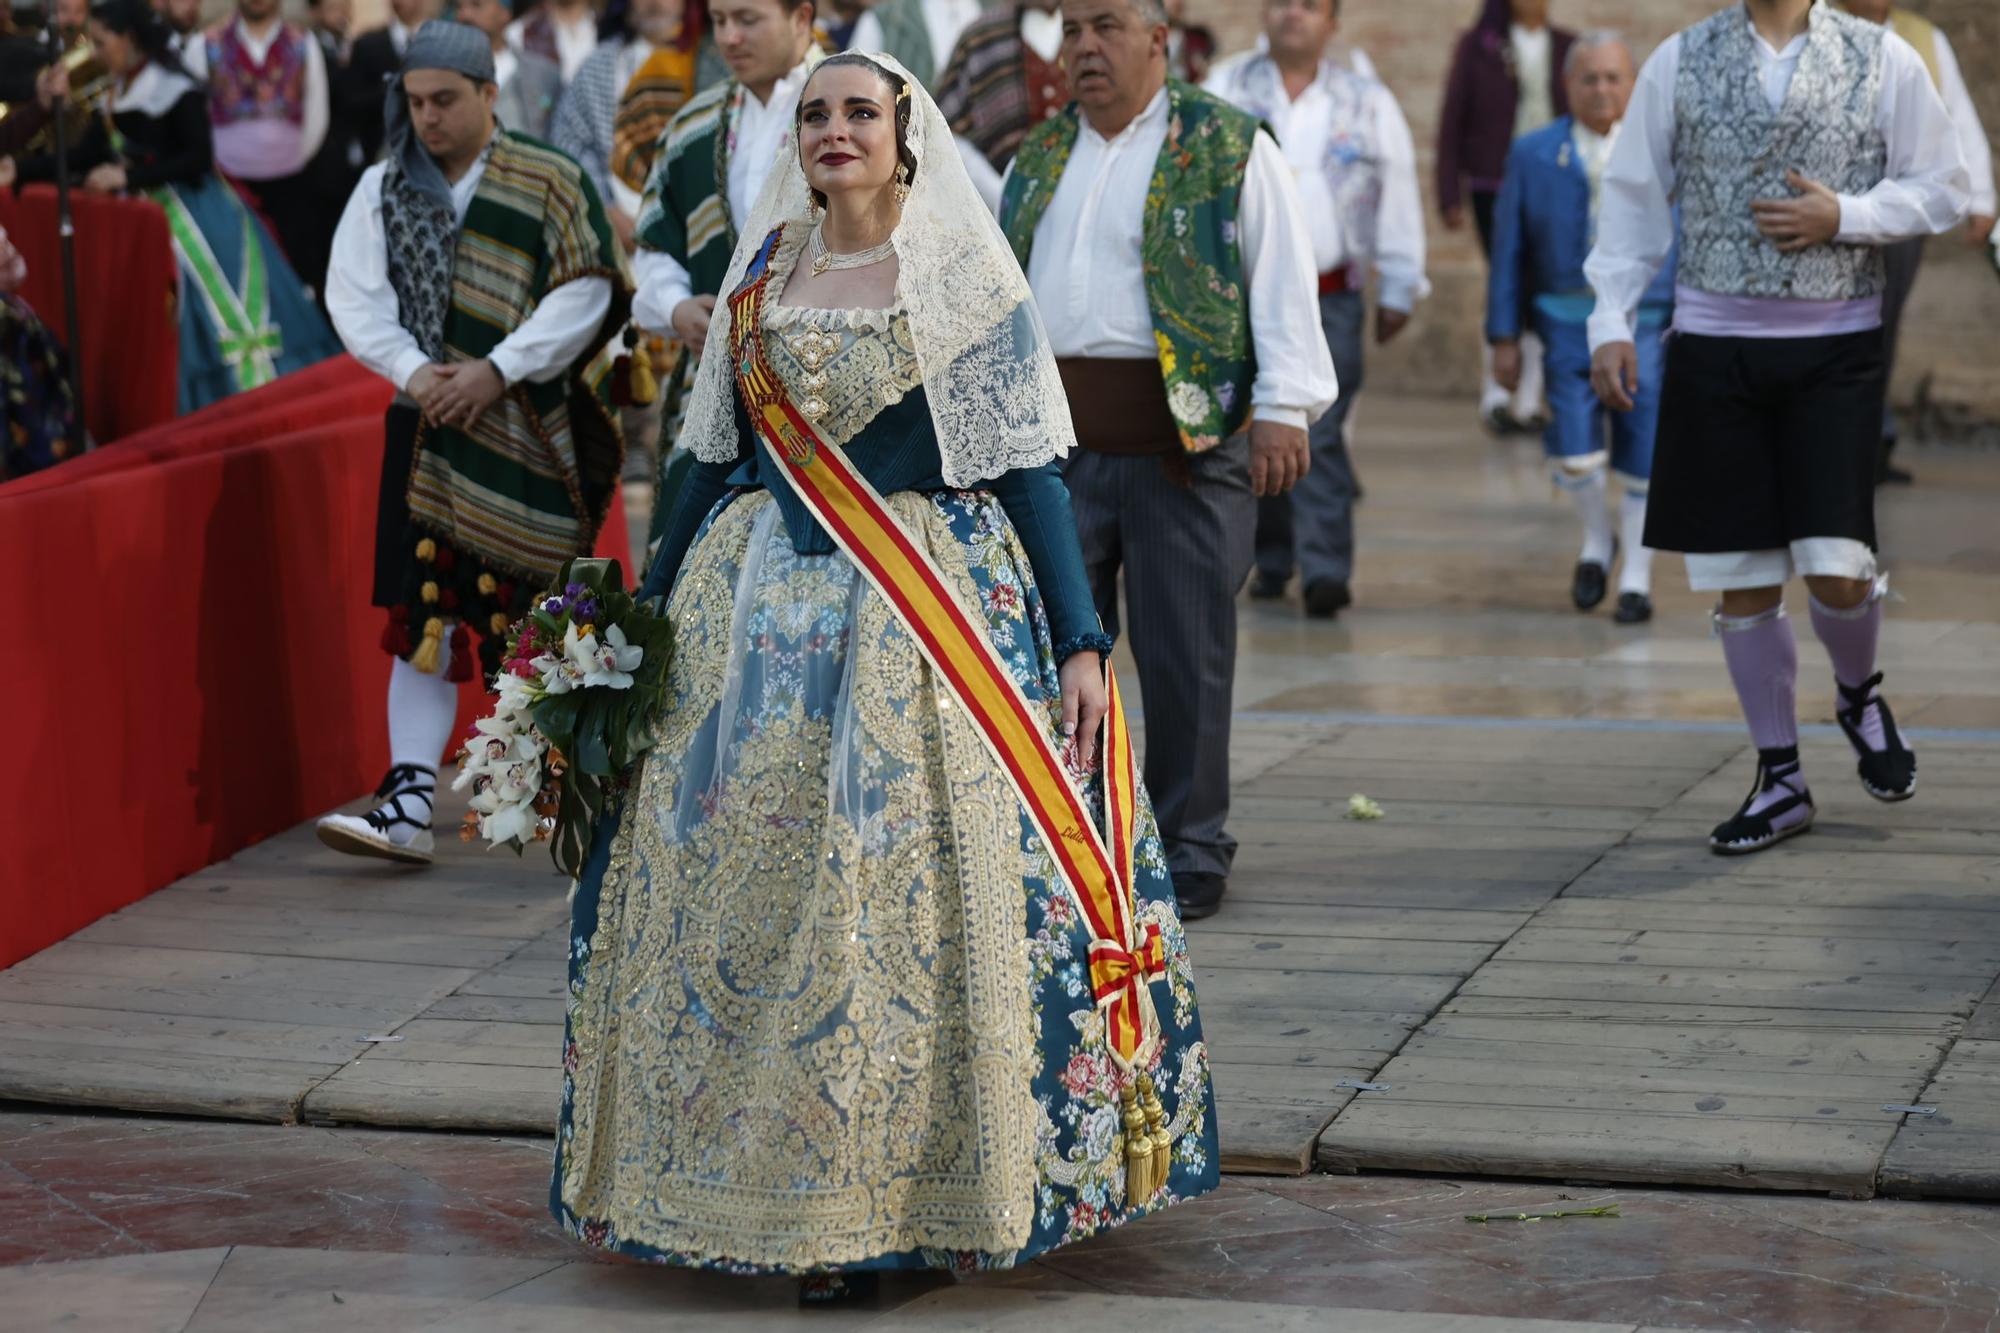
x: 1542, y: 234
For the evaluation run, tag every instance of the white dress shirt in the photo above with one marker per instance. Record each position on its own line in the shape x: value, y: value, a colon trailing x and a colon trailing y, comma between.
x: 1309, y: 127
x: 1971, y: 134
x: 1922, y: 191
x: 1534, y: 51
x: 364, y: 305
x: 943, y: 19
x: 760, y: 132
x: 1086, y: 273
x: 505, y: 65
x: 1594, y: 151
x: 243, y: 149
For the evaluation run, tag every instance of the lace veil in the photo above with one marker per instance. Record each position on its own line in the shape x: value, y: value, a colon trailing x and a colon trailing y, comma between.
x: 995, y: 397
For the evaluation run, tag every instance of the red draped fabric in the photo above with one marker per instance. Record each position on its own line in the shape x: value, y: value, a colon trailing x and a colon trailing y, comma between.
x: 196, y: 666
x: 125, y: 267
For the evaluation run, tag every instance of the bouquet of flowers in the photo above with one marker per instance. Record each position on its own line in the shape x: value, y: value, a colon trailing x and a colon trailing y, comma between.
x: 583, y: 677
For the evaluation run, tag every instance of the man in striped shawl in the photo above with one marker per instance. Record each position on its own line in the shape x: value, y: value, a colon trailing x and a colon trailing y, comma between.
x: 475, y: 270
x: 712, y: 164
x: 1005, y: 78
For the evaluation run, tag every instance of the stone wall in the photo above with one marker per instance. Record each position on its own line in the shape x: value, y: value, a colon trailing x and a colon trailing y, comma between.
x: 1951, y: 330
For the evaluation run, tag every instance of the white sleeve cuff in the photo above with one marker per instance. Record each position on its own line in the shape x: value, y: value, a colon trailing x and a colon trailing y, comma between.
x: 662, y: 285
x: 1284, y: 416
x: 1608, y: 326
x: 510, y: 372
x: 1399, y: 293
x: 406, y: 367
x: 1855, y: 219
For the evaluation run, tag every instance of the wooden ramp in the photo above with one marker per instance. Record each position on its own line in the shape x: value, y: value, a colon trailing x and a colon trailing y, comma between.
x: 1679, y: 1017
x: 1532, y: 957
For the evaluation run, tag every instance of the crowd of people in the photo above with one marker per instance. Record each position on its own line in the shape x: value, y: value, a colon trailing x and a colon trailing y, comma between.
x: 962, y: 322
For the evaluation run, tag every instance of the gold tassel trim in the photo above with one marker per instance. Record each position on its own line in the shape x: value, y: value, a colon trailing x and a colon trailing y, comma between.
x: 488, y: 585
x: 427, y: 657
x: 427, y: 550
x: 641, y: 385
x: 499, y: 622
x: 429, y: 593
x: 1145, y: 1144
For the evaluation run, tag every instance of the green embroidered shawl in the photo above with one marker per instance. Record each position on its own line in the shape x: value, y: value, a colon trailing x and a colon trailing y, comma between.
x: 1195, y: 283
x: 528, y: 485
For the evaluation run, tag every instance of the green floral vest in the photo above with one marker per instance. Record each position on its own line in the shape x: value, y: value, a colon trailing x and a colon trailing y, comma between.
x: 1195, y: 283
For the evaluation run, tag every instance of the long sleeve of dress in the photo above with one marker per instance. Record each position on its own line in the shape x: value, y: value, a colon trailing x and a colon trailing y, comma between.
x: 93, y: 150
x: 188, y: 151
x: 1037, y: 504
x: 704, y: 484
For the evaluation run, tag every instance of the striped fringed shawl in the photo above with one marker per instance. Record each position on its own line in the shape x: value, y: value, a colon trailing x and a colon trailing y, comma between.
x: 528, y: 485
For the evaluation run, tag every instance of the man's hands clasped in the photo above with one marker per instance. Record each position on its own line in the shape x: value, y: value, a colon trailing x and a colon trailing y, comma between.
x: 456, y: 395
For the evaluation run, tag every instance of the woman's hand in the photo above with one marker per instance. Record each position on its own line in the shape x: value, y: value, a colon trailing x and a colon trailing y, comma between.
x: 1084, y: 702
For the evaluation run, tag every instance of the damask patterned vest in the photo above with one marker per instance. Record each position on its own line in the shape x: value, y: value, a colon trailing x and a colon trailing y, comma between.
x: 1195, y: 283
x: 1353, y: 161
x: 1730, y: 148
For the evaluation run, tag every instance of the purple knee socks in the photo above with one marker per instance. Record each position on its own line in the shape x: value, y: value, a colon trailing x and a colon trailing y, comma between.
x: 1763, y: 659
x: 1850, y: 635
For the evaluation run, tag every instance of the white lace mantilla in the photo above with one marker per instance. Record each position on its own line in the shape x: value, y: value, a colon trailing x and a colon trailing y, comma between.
x: 984, y: 357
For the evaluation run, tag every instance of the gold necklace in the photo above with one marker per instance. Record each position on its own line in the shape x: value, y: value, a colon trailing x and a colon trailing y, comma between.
x: 824, y: 259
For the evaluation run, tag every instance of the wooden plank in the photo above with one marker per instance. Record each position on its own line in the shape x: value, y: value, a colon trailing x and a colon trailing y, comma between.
x: 501, y: 921
x: 498, y: 1009
x: 1488, y: 1076
x: 493, y: 1098
x: 1900, y: 1055
x: 135, y: 1079
x: 1326, y: 953
x: 1518, y: 745
x: 1956, y: 1153
x: 1339, y: 836
x: 1822, y: 1155
x: 1750, y: 987
x: 1251, y: 916
x: 1336, y: 882
x: 347, y: 1010
x: 1713, y: 1016
x: 1455, y: 815
x: 1791, y: 953
x: 1390, y: 787
x: 1244, y: 991
x: 1802, y: 861
x: 179, y: 1034
x: 141, y: 965
x: 1769, y: 914
x: 375, y: 941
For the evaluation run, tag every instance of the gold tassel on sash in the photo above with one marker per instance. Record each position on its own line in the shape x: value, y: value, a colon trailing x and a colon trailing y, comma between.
x: 1147, y: 1146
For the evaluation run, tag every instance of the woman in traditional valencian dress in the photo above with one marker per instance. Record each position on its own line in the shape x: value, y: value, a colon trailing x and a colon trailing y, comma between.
x: 244, y: 318
x: 877, y: 966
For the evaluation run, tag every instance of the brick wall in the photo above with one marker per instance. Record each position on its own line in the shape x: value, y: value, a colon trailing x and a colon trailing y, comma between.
x: 1951, y: 330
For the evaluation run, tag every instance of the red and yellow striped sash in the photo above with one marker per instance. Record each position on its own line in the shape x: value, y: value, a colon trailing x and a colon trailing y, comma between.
x: 1097, y: 870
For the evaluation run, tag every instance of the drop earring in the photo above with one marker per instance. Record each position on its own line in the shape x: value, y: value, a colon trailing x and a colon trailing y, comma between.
x: 902, y: 185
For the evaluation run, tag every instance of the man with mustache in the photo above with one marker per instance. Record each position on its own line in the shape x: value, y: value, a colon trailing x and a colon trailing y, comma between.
x: 712, y: 165
x: 1163, y: 237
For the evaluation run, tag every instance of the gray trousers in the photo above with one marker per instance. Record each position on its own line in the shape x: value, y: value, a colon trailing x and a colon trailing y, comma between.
x: 1315, y: 523
x: 1901, y: 261
x: 1185, y: 552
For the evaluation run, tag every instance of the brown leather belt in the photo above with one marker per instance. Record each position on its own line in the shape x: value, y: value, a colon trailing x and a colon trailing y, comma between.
x: 1119, y: 405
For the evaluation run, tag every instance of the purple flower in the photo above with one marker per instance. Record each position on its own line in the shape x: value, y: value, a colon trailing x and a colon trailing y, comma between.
x: 575, y: 590
x: 555, y: 606
x: 587, y: 609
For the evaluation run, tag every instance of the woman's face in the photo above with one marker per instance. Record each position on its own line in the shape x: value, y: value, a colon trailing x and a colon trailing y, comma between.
x: 847, y: 131
x: 117, y: 53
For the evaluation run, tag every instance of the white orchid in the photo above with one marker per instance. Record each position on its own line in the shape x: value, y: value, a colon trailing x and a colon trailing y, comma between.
x: 611, y: 662
x: 513, y: 823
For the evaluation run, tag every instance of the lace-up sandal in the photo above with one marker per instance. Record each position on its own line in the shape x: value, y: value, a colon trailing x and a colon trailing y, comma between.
x: 1779, y: 806
x: 399, y: 829
x: 1887, y: 774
